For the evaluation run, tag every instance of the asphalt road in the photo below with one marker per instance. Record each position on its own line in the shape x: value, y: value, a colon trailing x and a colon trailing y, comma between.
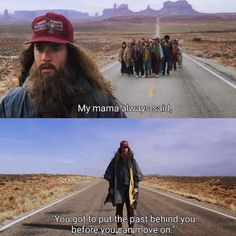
x: 191, y: 92
x: 90, y: 203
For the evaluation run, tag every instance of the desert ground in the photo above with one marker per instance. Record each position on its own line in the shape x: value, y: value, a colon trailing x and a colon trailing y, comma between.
x: 24, y: 193
x: 211, y: 37
x: 216, y: 190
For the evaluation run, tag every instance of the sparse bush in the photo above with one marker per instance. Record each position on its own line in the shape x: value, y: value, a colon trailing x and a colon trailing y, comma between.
x: 199, y: 55
x: 216, y: 54
x: 196, y: 39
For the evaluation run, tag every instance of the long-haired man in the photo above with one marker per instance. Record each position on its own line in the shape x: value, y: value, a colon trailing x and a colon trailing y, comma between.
x: 123, y: 174
x: 58, y: 79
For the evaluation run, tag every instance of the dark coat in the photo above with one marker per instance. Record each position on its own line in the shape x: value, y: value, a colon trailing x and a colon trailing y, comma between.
x: 138, y: 53
x: 113, y: 174
x: 19, y: 104
x: 167, y: 50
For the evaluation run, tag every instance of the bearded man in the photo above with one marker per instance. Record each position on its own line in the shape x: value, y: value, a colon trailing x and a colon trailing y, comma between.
x: 57, y: 78
x: 123, y: 174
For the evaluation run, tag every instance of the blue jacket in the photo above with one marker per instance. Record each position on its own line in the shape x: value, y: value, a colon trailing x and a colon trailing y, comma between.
x: 18, y: 103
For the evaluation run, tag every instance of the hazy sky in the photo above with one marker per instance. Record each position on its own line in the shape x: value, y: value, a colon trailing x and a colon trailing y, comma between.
x: 93, y: 6
x: 168, y: 147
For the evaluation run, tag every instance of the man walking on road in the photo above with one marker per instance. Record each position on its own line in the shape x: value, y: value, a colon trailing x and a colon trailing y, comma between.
x: 57, y: 77
x: 147, y: 59
x: 167, y: 52
x: 128, y: 58
x: 123, y: 174
x: 174, y: 59
x: 123, y: 69
x: 157, y: 56
x: 138, y: 59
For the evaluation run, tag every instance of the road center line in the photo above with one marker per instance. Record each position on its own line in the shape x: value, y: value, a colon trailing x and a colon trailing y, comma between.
x: 190, y: 203
x: 210, y: 71
x: 43, y: 208
x: 150, y: 91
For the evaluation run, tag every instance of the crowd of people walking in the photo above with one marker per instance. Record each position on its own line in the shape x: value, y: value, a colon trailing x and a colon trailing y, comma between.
x: 150, y: 58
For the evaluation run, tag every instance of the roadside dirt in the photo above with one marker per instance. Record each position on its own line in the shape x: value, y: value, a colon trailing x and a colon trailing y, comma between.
x: 216, y: 190
x: 23, y: 193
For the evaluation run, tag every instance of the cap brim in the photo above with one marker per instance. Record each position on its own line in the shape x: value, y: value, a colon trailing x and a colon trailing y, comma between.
x: 49, y: 40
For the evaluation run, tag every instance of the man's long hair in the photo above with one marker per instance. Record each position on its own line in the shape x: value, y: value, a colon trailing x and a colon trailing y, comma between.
x: 77, y: 59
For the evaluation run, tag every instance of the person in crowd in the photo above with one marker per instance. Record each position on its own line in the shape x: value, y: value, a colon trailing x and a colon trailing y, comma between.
x: 174, y: 58
x: 167, y: 52
x: 147, y: 59
x: 121, y: 59
x: 133, y: 42
x: 138, y: 59
x: 157, y: 56
x: 179, y: 55
x: 128, y: 58
x: 143, y: 41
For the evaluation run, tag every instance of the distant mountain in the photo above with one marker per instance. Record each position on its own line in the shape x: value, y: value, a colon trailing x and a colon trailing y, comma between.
x: 121, y: 10
x: 33, y: 14
x: 6, y: 15
x: 148, y: 11
x: 181, y: 7
x: 30, y: 15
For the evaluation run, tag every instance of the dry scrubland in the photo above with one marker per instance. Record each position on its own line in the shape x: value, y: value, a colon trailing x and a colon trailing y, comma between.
x: 213, y: 38
x: 103, y: 39
x: 216, y: 190
x: 23, y: 193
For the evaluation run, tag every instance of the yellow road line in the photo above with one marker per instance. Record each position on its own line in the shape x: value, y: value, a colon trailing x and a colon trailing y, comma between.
x: 150, y: 91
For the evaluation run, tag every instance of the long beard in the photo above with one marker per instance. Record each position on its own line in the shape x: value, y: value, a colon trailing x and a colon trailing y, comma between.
x: 125, y: 158
x: 53, y: 96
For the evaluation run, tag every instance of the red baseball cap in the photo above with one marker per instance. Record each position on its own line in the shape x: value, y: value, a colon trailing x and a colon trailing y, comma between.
x: 124, y: 144
x: 52, y: 27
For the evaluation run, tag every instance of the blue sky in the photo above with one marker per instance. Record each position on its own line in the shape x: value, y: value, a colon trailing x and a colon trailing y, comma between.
x: 164, y: 146
x: 93, y: 6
